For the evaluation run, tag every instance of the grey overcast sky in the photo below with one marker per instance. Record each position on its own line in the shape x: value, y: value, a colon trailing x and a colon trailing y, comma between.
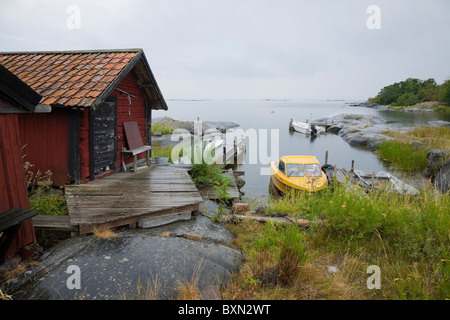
x: 249, y: 49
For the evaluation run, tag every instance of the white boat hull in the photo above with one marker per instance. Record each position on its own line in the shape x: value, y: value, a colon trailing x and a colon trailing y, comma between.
x: 304, y: 127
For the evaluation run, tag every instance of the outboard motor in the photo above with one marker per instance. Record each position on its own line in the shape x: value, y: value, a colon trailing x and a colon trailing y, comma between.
x: 313, y: 129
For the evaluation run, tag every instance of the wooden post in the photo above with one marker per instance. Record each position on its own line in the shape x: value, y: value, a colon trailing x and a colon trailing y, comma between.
x: 353, y: 165
x: 326, y: 157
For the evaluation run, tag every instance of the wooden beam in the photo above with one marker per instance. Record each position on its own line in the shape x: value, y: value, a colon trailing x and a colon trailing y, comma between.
x: 58, y: 223
x: 9, y: 108
x: 74, y: 145
x: 89, y: 228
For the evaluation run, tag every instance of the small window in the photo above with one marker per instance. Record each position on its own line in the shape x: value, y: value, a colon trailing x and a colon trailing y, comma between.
x: 294, y: 170
x: 282, y: 167
x: 313, y: 170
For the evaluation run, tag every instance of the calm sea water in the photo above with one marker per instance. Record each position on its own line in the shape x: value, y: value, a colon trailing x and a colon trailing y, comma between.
x: 253, y: 114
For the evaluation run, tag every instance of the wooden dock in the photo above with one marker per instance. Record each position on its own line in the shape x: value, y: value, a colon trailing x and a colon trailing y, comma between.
x: 127, y: 197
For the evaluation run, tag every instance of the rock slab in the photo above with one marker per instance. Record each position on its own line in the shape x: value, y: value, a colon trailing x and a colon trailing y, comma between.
x: 443, y: 178
x: 138, y: 264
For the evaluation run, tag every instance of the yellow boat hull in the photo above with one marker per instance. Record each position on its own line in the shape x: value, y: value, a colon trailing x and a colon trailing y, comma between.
x: 286, y: 185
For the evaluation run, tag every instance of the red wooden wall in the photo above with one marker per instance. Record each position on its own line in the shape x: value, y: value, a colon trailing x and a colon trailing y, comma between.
x: 45, y: 140
x: 13, y: 193
x: 125, y: 112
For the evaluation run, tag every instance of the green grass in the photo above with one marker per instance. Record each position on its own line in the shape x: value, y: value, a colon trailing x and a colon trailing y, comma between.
x: 160, y: 151
x: 163, y: 151
x: 434, y: 137
x: 442, y: 108
x: 163, y: 129
x: 406, y: 236
x: 403, y: 155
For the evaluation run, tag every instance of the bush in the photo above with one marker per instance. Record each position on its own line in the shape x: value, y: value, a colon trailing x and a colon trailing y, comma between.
x: 412, y: 91
x: 444, y: 93
x: 347, y: 213
x: 49, y: 204
x: 406, y: 99
x: 211, y: 174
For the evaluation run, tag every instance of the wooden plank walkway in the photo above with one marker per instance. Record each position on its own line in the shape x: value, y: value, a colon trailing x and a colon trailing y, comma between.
x: 124, y: 198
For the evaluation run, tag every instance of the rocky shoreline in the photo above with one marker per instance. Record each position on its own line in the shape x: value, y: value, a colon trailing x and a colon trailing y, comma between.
x: 210, y: 126
x: 357, y: 129
x: 419, y: 107
x: 369, y: 131
x: 189, y: 125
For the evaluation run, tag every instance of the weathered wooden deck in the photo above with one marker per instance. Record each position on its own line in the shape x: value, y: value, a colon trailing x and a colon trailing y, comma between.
x: 125, y: 198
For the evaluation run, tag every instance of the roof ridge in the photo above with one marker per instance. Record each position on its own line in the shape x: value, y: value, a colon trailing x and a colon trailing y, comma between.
x: 72, y: 51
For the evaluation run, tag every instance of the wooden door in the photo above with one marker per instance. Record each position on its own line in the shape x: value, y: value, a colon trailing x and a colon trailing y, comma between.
x: 103, y: 137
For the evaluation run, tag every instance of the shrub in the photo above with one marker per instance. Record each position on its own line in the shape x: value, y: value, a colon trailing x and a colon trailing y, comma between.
x: 445, y: 92
x: 211, y: 174
x: 347, y: 213
x: 49, y: 204
x: 406, y: 99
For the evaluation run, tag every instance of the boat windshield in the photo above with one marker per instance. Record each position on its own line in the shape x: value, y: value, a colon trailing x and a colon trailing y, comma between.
x: 294, y: 170
x: 313, y: 170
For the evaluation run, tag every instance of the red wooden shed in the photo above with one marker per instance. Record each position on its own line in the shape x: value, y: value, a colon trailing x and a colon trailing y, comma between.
x: 15, y: 98
x: 92, y: 94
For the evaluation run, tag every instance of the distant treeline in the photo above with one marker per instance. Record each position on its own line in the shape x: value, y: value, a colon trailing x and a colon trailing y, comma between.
x: 413, y: 91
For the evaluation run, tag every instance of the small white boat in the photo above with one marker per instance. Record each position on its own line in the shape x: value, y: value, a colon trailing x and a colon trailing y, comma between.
x: 305, y: 127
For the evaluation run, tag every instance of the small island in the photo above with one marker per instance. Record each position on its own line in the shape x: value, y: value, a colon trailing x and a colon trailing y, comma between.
x: 412, y: 95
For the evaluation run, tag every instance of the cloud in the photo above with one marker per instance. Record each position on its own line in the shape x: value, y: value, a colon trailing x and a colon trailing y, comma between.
x: 259, y: 48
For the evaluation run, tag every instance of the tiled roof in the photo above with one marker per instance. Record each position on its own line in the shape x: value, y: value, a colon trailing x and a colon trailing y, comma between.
x: 74, y: 78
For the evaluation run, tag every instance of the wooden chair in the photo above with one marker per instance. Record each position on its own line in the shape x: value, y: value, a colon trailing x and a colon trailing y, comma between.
x: 135, y: 144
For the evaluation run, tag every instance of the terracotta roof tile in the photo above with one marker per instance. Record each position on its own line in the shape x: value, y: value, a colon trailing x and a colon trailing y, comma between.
x: 94, y: 93
x: 68, y: 78
x: 73, y: 101
x: 49, y: 100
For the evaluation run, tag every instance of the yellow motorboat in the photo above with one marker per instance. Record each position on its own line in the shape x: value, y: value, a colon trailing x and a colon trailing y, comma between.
x: 302, y: 173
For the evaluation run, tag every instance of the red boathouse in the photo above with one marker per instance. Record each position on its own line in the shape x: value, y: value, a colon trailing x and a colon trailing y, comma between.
x: 91, y: 94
